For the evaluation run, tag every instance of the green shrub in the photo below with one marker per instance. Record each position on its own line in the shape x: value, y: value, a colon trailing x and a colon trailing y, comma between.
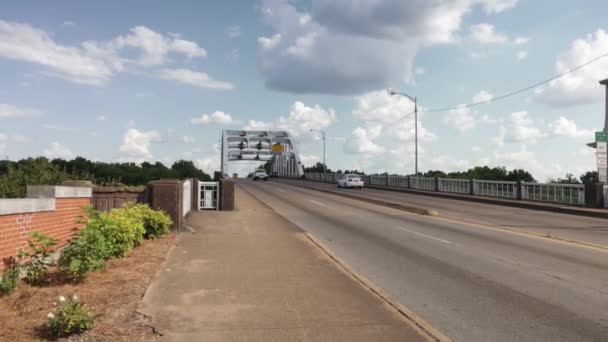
x: 86, y: 252
x: 38, y: 258
x: 122, y: 231
x: 10, y: 278
x: 70, y: 317
x: 156, y: 222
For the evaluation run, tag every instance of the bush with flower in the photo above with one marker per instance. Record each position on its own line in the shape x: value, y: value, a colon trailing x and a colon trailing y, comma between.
x: 69, y: 317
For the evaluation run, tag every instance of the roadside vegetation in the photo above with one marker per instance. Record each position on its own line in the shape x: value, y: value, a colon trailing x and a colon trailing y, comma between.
x: 15, y: 175
x: 104, y: 237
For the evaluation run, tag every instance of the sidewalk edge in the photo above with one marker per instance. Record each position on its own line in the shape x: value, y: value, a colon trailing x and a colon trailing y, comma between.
x: 423, y: 326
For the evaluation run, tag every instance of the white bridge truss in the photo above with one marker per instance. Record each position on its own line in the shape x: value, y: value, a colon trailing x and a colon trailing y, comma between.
x: 258, y: 145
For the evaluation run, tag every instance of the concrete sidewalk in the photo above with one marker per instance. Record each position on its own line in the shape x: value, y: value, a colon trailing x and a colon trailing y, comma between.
x: 251, y: 275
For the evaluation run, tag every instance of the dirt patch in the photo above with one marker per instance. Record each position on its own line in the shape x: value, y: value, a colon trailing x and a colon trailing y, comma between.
x: 113, y: 293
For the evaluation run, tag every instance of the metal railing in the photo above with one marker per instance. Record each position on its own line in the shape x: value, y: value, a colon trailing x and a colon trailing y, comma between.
x: 461, y: 186
x: 422, y: 183
x: 398, y: 181
x: 573, y: 194
x: 502, y: 189
x: 557, y: 193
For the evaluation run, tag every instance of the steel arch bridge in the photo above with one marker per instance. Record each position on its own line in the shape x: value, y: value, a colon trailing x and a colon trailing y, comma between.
x: 275, y: 146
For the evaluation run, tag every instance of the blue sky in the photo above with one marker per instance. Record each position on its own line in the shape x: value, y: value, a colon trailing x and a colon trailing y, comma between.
x: 156, y: 80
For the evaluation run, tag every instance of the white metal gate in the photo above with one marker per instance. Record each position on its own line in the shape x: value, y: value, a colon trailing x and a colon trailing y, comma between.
x: 208, y: 195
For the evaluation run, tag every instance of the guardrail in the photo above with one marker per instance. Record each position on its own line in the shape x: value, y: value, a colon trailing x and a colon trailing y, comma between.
x: 573, y: 194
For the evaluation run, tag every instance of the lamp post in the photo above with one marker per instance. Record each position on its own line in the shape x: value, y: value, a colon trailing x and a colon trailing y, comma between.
x: 413, y: 99
x: 323, y: 135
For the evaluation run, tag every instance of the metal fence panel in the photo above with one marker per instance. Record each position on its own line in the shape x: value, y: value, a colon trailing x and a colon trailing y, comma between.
x: 553, y: 192
x: 377, y: 180
x: 398, y: 181
x: 495, y: 188
x: 461, y: 186
x: 422, y: 183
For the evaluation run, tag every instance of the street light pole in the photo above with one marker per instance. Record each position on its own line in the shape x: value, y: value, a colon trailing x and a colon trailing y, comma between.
x: 415, y: 100
x: 323, y: 135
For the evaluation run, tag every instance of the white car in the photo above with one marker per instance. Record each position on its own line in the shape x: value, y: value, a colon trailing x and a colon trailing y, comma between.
x: 350, y: 181
x: 260, y: 174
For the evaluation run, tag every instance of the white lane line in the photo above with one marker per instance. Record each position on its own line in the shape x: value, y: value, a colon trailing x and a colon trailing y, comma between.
x: 318, y: 203
x: 427, y: 236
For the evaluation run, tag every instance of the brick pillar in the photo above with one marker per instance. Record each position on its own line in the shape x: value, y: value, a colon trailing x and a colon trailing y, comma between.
x: 167, y: 195
x: 226, y: 195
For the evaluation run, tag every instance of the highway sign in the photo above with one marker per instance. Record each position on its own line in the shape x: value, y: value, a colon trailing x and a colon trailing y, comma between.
x: 601, y: 136
x: 602, y: 175
x: 278, y: 148
x: 602, y: 148
x: 602, y: 163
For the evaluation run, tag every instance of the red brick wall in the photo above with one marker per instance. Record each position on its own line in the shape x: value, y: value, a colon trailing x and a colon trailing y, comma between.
x: 17, y: 229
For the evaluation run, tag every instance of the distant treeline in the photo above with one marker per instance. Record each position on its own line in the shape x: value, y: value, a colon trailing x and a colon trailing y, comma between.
x: 14, y: 176
x: 483, y: 173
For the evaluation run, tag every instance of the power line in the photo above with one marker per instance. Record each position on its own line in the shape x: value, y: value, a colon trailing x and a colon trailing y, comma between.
x: 445, y: 109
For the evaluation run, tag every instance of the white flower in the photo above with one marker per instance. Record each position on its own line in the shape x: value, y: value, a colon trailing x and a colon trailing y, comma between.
x: 50, y: 315
x: 74, y: 297
x: 61, y: 299
x: 54, y: 303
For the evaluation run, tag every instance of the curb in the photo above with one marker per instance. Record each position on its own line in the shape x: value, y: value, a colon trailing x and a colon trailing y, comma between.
x: 425, y: 328
x: 394, y: 205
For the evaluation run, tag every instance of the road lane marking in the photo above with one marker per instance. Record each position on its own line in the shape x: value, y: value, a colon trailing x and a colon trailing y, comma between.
x: 318, y: 203
x: 427, y: 236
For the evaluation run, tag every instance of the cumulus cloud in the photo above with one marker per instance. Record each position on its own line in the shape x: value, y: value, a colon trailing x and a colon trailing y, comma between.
x: 568, y: 128
x: 521, y: 129
x: 187, y: 139
x: 362, y: 141
x: 461, y: 118
x: 485, y: 34
x: 194, y: 78
x: 302, y: 119
x: 91, y: 62
x: 391, y: 31
x: 57, y: 150
x: 136, y: 144
x: 579, y: 87
x: 482, y: 96
x: 309, y: 160
x: 521, y: 55
x: 255, y: 125
x: 217, y: 117
x: 521, y: 40
x: 497, y: 6
x: 10, y: 111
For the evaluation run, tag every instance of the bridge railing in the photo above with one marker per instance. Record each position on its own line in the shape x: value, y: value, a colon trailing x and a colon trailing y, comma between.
x: 573, y: 194
x: 500, y: 189
x: 558, y: 193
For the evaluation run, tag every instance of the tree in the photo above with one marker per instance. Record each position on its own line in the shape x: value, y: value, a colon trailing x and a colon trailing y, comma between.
x: 590, y: 177
x: 317, y: 168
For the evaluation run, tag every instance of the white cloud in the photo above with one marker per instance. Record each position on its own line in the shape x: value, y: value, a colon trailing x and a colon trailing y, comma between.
x: 482, y: 96
x: 217, y: 117
x: 579, y: 87
x: 102, y: 118
x: 69, y: 23
x: 461, y: 118
x: 497, y: 6
x: 521, y: 55
x: 485, y: 34
x: 362, y: 141
x: 57, y: 150
x: 58, y: 127
x: 391, y: 31
x: 303, y: 118
x: 136, y: 144
x: 521, y: 40
x: 233, y: 31
x: 10, y: 111
x: 91, y: 62
x: 476, y: 148
x: 567, y: 128
x: 522, y: 129
x: 195, y: 78
x: 255, y: 125
x: 187, y: 139
x: 209, y: 165
x: 309, y: 160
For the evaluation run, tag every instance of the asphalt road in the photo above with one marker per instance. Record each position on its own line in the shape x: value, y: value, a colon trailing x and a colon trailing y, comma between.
x: 580, y: 228
x: 471, y: 283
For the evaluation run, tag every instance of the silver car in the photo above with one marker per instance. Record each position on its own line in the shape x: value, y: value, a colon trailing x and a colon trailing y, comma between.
x: 350, y: 181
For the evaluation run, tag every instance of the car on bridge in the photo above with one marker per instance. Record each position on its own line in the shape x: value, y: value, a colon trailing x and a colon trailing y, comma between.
x: 350, y: 181
x: 260, y: 174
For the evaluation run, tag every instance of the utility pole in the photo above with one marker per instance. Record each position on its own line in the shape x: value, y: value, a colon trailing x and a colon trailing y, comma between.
x: 415, y: 100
